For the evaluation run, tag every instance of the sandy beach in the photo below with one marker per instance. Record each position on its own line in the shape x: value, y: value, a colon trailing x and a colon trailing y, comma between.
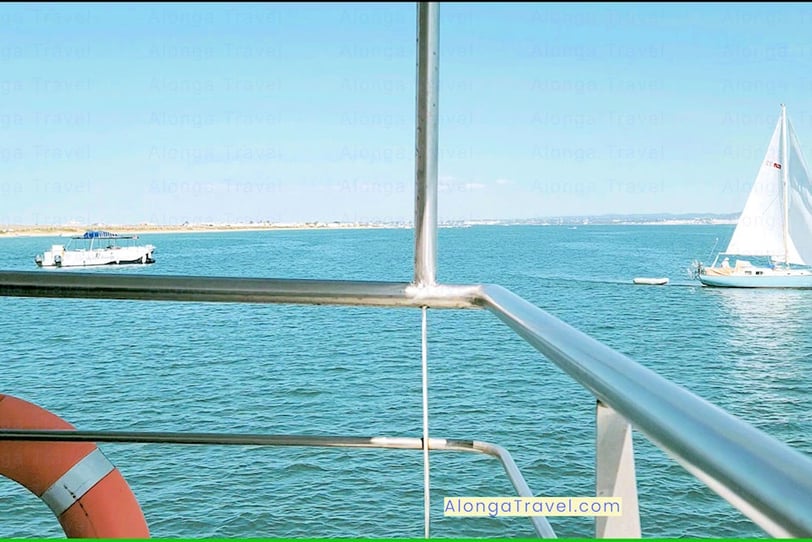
x: 23, y: 230
x: 68, y: 230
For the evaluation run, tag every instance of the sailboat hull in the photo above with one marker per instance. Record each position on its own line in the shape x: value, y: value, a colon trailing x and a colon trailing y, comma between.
x: 792, y: 280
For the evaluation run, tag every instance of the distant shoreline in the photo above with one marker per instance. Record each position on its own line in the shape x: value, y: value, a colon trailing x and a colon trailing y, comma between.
x: 140, y: 229
x: 68, y: 230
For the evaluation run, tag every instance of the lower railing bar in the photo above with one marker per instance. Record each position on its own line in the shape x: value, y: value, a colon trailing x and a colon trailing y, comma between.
x: 540, y: 524
x: 235, y: 289
x: 765, y: 479
x: 168, y: 437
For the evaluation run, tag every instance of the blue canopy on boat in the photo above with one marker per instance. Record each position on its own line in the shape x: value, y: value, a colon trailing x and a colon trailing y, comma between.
x: 104, y: 235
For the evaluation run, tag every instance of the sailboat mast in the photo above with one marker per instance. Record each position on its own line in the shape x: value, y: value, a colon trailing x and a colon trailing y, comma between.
x: 785, y: 180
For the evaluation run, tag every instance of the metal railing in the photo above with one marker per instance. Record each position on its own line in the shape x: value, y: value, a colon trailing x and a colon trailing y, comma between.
x: 764, y: 478
x: 540, y: 524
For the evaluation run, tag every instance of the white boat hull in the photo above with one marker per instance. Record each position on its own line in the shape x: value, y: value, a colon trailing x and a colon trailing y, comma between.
x: 93, y: 257
x: 107, y: 256
x: 757, y: 277
x: 651, y: 281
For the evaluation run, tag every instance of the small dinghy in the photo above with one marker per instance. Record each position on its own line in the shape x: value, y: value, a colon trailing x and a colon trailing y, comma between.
x: 651, y: 281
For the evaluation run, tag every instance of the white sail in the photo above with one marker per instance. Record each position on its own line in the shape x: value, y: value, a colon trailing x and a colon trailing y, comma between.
x: 760, y: 229
x: 799, y: 207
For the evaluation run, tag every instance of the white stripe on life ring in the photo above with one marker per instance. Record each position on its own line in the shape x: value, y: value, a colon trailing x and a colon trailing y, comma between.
x: 77, y: 481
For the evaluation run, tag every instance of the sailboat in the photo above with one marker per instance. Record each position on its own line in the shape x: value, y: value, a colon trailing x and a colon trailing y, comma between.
x: 772, y: 242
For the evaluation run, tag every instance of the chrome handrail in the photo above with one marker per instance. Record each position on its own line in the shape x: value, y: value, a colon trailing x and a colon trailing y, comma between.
x: 540, y: 523
x: 236, y: 290
x: 765, y: 479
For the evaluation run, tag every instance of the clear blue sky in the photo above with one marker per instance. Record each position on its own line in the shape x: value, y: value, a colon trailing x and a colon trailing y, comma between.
x: 163, y: 113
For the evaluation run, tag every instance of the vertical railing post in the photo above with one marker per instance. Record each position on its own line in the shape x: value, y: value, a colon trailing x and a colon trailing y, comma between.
x: 615, y: 474
x: 425, y: 194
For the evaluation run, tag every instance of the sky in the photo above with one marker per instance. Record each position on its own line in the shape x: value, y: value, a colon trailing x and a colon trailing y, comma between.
x: 170, y: 113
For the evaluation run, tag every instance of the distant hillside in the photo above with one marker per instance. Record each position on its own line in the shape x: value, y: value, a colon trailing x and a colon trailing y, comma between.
x: 653, y: 218
x: 658, y: 218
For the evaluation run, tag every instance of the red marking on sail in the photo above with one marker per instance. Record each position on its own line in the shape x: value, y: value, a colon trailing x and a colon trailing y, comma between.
x: 776, y: 165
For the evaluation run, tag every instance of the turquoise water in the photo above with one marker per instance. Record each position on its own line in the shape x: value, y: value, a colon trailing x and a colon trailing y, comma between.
x: 126, y: 365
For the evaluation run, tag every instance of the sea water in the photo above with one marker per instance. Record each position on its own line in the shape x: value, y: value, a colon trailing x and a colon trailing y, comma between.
x: 347, y: 371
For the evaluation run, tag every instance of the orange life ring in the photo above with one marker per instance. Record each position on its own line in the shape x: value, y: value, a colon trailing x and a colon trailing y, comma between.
x: 85, y: 491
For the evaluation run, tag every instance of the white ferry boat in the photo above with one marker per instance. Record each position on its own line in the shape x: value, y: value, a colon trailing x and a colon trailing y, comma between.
x: 98, y: 248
